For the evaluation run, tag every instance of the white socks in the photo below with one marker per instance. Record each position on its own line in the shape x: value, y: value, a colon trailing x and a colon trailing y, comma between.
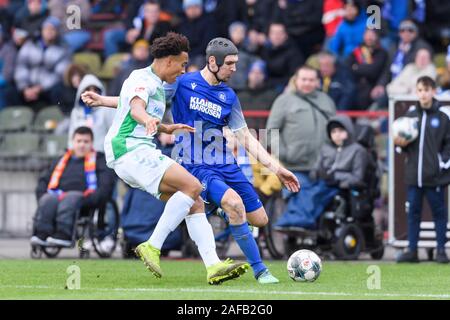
x: 175, y: 211
x: 201, y: 233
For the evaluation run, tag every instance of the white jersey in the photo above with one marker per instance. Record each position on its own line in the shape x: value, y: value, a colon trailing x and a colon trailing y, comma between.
x: 126, y: 134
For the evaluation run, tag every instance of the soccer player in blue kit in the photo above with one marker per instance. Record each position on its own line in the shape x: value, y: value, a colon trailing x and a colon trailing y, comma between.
x: 203, y: 100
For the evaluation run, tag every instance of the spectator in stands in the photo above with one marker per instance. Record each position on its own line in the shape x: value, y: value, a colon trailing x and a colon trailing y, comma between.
x: 74, y: 36
x: 140, y: 58
x: 303, y: 22
x: 336, y: 81
x: 66, y: 91
x: 80, y: 179
x: 8, y: 54
x: 427, y: 168
x: 257, y: 95
x: 366, y: 64
x: 349, y: 34
x: 143, y: 20
x: 30, y: 18
x: 197, y: 26
x: 444, y: 78
x: 147, y: 24
x: 393, y: 13
x: 399, y: 56
x: 237, y: 34
x: 41, y: 64
x: 405, y: 82
x: 341, y: 165
x: 301, y: 118
x: 333, y: 14
x: 281, y: 55
x: 97, y: 119
x: 435, y: 25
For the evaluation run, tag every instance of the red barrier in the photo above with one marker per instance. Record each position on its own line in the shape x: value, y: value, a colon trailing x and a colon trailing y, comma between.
x: 350, y: 113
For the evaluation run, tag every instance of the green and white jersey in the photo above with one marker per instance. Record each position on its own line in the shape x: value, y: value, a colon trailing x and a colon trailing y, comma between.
x: 126, y: 134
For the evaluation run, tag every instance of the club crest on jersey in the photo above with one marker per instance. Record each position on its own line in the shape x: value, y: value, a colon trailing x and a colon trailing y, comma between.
x: 193, y: 85
x: 222, y: 96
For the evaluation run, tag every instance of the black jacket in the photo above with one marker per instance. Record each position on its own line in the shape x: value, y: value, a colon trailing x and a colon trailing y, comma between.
x: 73, y: 179
x: 428, y: 156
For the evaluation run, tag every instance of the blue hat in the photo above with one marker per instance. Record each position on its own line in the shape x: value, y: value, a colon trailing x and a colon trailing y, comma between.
x: 259, y: 64
x: 190, y: 3
x: 53, y: 21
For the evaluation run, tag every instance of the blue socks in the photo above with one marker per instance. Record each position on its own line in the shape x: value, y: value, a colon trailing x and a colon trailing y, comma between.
x: 241, y: 233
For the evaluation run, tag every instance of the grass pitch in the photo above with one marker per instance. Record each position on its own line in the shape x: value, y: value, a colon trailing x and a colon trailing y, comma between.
x: 186, y: 280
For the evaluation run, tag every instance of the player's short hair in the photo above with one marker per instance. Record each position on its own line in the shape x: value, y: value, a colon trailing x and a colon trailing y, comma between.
x: 83, y: 130
x: 172, y: 44
x: 427, y: 82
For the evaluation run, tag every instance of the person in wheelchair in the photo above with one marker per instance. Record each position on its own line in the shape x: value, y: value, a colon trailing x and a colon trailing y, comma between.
x: 341, y: 166
x: 77, y: 180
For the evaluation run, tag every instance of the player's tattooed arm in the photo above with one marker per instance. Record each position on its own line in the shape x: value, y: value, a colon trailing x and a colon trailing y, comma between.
x: 171, y: 128
x: 93, y: 99
x: 255, y: 148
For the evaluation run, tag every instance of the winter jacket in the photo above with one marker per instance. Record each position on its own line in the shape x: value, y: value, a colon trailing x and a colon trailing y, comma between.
x: 341, y: 89
x: 74, y: 179
x: 37, y: 65
x: 8, y: 54
x: 344, y: 166
x: 405, y: 82
x: 98, y: 119
x: 428, y: 156
x: 282, y: 62
x: 349, y: 35
x: 302, y: 128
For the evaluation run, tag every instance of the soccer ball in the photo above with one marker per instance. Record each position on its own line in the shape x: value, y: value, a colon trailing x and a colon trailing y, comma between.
x: 406, y: 128
x: 304, y: 265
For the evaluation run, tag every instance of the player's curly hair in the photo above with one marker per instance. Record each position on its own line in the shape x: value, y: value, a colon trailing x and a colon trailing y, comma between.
x: 172, y: 44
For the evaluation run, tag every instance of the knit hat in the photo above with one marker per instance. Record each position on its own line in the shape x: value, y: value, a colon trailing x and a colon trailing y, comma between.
x: 141, y: 43
x: 190, y: 3
x: 259, y: 64
x: 53, y: 21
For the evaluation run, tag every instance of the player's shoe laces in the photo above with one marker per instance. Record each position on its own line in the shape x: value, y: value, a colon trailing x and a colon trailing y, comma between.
x: 267, y: 278
x: 227, y: 270
x: 150, y: 255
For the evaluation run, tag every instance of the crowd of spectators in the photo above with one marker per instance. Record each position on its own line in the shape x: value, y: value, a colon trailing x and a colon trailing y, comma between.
x: 359, y: 66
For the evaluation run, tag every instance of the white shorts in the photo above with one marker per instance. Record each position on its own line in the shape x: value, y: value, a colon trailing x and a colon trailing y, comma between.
x: 143, y: 168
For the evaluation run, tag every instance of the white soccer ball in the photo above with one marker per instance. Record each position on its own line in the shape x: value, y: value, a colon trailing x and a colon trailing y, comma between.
x: 406, y: 127
x: 304, y: 266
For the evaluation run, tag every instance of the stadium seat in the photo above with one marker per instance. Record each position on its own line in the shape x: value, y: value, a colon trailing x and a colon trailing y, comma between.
x: 16, y: 118
x: 111, y: 66
x: 53, y: 146
x: 47, y: 119
x: 19, y: 144
x: 90, y: 60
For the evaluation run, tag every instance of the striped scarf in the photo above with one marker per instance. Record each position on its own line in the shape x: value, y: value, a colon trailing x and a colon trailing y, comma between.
x: 89, y: 171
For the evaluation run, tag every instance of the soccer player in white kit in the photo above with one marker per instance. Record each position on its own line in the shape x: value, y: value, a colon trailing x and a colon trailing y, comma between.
x: 131, y: 152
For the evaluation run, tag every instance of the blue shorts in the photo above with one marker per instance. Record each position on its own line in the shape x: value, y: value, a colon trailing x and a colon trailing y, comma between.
x: 218, y: 179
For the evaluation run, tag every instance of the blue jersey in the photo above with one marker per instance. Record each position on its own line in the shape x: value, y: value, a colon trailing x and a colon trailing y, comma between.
x: 207, y: 108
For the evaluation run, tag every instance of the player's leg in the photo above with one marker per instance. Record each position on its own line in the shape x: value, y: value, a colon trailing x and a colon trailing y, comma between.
x: 201, y: 232
x: 233, y: 205
x: 184, y: 189
x: 255, y: 213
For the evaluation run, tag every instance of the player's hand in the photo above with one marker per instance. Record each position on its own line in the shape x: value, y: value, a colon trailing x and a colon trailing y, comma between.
x: 151, y: 125
x: 171, y: 128
x: 401, y: 142
x: 92, y: 99
x: 289, y: 180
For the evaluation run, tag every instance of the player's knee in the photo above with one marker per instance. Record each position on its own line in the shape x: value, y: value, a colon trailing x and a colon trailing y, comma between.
x: 261, y: 221
x: 235, y: 209
x: 194, y: 189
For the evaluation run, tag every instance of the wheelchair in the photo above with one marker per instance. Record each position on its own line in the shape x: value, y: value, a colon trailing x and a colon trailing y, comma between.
x: 346, y: 228
x: 92, y: 228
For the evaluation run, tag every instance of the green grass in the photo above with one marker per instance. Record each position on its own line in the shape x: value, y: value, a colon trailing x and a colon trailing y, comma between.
x: 120, y: 279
